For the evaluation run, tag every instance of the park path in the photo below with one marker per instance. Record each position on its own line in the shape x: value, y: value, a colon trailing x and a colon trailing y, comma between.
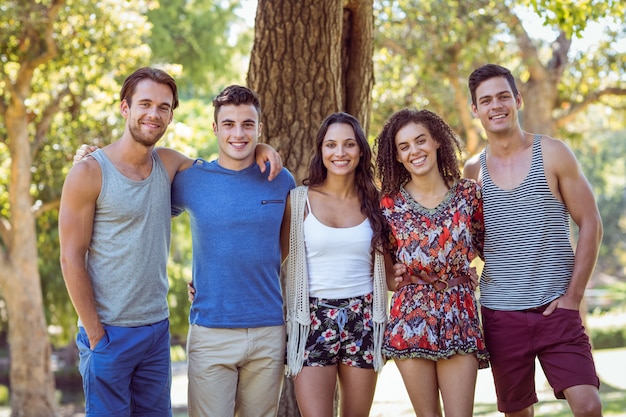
x: 391, y: 399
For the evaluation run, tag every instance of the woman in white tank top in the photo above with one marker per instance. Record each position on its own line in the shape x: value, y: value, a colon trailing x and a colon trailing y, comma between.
x: 335, y: 289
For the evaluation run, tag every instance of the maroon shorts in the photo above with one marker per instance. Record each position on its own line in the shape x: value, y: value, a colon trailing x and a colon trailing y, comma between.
x: 515, y: 338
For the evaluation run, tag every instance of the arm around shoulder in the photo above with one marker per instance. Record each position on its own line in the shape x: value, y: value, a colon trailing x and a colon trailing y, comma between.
x: 173, y: 161
x: 285, y: 229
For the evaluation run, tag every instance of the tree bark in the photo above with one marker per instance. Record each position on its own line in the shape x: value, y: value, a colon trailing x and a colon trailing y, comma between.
x: 32, y: 382
x: 310, y: 59
x: 31, y: 378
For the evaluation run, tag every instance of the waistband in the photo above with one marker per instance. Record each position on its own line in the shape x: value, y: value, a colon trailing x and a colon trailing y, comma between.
x: 537, y: 310
x: 439, y: 284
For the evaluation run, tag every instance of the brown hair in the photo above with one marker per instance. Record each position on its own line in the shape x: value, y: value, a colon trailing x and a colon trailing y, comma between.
x: 486, y: 72
x: 154, y: 74
x: 237, y: 95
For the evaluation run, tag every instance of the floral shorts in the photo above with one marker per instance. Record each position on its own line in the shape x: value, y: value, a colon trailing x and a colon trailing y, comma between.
x: 341, y: 332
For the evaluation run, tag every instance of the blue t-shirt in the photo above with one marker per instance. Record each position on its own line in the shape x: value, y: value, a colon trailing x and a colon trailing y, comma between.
x: 235, y: 226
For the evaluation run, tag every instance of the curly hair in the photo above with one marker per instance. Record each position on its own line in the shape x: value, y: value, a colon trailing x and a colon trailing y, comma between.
x: 369, y: 195
x: 392, y: 173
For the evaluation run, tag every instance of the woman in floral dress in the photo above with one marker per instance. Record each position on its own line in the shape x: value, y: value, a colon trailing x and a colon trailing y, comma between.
x: 433, y: 332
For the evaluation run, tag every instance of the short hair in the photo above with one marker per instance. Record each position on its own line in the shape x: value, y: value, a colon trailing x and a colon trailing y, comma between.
x: 487, y: 72
x: 392, y: 172
x: 237, y: 95
x: 154, y: 74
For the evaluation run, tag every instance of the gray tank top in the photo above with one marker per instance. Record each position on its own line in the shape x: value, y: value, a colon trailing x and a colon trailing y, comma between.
x: 528, y: 254
x: 129, y: 248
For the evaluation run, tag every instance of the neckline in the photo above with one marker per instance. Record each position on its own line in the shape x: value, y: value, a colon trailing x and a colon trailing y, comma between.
x: 536, y: 146
x: 444, y: 201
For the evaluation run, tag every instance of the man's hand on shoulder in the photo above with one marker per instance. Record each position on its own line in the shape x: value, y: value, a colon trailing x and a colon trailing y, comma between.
x: 83, y: 151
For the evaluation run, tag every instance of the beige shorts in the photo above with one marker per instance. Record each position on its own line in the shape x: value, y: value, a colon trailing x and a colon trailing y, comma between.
x: 235, y: 371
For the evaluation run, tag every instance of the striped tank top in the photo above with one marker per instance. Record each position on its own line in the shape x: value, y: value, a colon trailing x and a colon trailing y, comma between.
x: 528, y: 254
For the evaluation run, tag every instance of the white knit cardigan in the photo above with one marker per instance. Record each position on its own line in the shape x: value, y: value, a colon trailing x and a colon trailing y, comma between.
x: 297, y: 292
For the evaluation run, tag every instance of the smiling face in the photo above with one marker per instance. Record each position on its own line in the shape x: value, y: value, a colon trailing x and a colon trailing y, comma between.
x: 496, y: 106
x: 149, y: 112
x: 237, y: 130
x: 340, y: 150
x: 416, y: 150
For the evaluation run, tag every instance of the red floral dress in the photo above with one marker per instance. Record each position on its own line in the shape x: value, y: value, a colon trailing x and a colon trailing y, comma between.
x: 424, y: 322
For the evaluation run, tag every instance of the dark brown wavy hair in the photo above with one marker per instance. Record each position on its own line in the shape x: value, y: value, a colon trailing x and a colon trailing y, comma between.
x: 369, y: 195
x: 392, y: 173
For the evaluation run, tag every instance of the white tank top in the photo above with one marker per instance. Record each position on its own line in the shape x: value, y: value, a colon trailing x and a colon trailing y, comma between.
x: 339, y: 260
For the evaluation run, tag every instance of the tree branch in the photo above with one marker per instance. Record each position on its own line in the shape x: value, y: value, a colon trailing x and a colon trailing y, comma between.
x: 560, y: 49
x: 528, y: 50
x: 592, y: 98
x: 40, y: 52
x: 48, y: 114
x: 394, y: 46
x: 5, y: 231
x: 40, y: 209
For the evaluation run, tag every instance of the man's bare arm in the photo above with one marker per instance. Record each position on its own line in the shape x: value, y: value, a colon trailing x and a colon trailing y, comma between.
x: 175, y: 161
x: 471, y: 169
x: 76, y: 215
x: 577, y: 195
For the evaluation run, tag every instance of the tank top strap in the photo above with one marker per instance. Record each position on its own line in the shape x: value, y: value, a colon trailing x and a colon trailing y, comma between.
x: 307, y: 205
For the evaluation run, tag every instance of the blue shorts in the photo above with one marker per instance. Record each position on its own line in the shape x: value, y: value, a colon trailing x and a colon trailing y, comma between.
x: 128, y: 373
x: 515, y: 338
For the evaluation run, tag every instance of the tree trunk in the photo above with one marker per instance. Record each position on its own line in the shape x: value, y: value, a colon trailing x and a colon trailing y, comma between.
x: 288, y: 404
x: 31, y: 379
x: 310, y: 59
x: 539, y: 98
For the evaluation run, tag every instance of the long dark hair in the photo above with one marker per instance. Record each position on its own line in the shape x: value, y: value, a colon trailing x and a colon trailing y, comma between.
x: 369, y: 195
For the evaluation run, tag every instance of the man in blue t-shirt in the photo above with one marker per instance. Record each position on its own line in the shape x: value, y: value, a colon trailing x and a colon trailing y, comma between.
x: 236, y: 341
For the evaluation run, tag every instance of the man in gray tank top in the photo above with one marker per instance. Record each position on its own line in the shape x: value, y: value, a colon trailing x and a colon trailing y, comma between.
x: 114, y: 231
x: 533, y: 281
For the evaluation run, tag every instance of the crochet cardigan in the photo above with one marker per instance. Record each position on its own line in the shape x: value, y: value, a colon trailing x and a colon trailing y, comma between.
x: 297, y: 292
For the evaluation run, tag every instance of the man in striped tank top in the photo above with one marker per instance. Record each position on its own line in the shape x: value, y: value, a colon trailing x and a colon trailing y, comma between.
x: 533, y: 281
